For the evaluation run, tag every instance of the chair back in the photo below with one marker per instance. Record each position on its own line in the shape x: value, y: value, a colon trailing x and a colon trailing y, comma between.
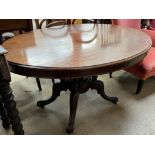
x: 133, y: 23
x: 50, y: 22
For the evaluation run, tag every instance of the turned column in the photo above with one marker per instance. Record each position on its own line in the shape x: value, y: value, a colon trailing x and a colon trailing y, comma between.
x: 8, y: 111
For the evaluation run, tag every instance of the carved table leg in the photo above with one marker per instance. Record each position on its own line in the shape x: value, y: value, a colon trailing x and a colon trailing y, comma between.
x: 76, y: 87
x: 99, y: 86
x: 57, y: 88
x: 74, y: 96
x: 73, y: 106
x: 10, y: 106
x: 4, y: 117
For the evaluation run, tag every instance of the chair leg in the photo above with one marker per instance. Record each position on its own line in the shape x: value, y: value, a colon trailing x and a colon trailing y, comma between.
x: 1, y: 39
x: 53, y: 81
x: 110, y: 74
x: 139, y: 86
x: 39, y: 84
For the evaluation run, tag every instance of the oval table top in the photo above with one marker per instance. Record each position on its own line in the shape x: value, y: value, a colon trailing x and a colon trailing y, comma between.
x: 76, y: 50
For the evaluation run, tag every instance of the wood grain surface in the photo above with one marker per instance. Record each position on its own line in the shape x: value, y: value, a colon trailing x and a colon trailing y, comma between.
x: 76, y: 50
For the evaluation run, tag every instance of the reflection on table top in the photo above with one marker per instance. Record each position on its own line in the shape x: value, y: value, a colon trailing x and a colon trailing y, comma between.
x: 76, y: 46
x: 2, y: 50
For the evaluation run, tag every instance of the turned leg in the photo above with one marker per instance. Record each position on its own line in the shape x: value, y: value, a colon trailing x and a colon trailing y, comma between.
x: 10, y: 106
x: 76, y: 87
x: 1, y: 39
x: 53, y: 81
x: 99, y: 86
x: 57, y: 88
x: 110, y: 74
x: 38, y: 84
x: 139, y: 86
x: 73, y: 106
x: 4, y: 117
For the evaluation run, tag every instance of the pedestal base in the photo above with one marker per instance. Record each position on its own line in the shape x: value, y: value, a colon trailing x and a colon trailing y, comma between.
x: 76, y: 87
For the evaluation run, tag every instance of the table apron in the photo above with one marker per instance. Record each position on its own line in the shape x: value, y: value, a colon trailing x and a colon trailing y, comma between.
x: 39, y: 72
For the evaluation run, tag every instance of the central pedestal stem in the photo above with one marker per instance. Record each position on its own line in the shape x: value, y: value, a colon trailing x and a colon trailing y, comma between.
x: 76, y: 87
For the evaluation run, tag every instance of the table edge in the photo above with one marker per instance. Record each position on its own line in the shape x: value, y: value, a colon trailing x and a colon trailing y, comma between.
x: 65, y: 72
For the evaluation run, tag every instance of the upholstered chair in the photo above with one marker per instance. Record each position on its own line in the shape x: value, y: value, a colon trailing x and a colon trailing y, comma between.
x: 151, y: 24
x: 146, y: 68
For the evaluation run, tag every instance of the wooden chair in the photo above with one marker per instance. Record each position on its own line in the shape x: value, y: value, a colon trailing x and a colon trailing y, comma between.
x: 8, y: 26
x: 51, y: 22
x: 97, y: 21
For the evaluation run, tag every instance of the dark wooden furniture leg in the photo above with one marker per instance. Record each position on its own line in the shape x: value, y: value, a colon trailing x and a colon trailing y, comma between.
x: 110, y: 74
x: 76, y: 86
x: 139, y: 86
x: 8, y: 110
x: 74, y: 96
x: 4, y: 117
x: 10, y: 106
x: 39, y: 84
x: 53, y: 81
x: 57, y: 88
x: 1, y: 39
x: 99, y: 86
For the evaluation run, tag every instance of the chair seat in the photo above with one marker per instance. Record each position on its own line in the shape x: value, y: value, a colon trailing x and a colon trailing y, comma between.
x: 145, y: 68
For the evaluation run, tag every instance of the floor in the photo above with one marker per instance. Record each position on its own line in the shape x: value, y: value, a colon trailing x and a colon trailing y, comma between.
x: 133, y: 115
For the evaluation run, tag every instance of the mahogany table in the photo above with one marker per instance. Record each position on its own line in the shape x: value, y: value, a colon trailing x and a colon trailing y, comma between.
x: 76, y: 54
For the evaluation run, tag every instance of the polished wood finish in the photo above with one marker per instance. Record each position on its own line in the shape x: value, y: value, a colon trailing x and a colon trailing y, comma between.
x: 76, y: 54
x: 21, y: 25
x: 49, y: 23
x: 76, y: 50
x: 8, y: 112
